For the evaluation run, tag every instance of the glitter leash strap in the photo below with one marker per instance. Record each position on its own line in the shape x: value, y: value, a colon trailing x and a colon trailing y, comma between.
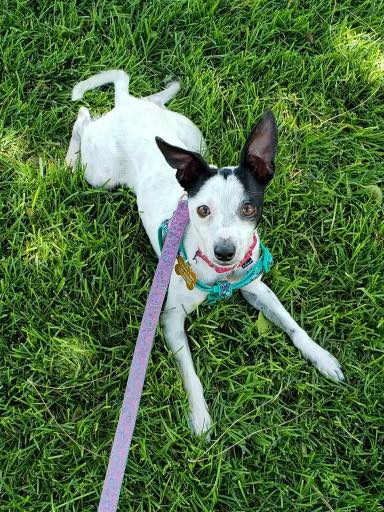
x: 119, y: 454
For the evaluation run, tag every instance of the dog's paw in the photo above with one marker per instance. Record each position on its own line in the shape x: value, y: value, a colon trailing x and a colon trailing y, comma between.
x: 327, y: 364
x: 324, y: 361
x: 200, y: 421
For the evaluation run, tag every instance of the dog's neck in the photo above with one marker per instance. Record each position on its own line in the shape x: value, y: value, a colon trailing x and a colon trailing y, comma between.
x: 204, y: 271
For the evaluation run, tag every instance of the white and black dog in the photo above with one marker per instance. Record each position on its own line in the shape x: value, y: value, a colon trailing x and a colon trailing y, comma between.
x: 127, y: 147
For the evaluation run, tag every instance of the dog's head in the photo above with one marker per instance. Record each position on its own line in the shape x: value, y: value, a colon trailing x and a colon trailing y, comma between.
x: 225, y: 204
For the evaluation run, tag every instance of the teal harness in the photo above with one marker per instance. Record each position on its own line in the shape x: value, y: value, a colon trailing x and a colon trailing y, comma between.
x: 223, y: 289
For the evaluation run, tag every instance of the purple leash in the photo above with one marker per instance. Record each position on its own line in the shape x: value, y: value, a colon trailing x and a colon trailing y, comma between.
x: 119, y: 454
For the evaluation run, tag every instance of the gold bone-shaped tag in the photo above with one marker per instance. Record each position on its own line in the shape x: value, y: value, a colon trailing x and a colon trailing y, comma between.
x: 185, y: 271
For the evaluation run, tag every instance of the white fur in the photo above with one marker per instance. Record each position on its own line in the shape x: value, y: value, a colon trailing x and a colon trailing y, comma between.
x: 119, y: 149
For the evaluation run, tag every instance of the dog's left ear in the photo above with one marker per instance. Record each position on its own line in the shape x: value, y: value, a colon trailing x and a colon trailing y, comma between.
x: 259, y: 151
x: 190, y: 165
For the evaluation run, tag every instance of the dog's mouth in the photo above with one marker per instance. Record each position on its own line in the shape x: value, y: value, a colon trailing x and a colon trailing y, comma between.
x: 225, y: 263
x: 221, y: 266
x: 225, y: 266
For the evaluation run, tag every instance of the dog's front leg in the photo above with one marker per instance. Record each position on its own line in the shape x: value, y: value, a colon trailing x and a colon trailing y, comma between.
x: 261, y: 297
x: 180, y: 302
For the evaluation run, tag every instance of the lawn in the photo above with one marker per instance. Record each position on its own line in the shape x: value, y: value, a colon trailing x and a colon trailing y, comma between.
x: 75, y: 265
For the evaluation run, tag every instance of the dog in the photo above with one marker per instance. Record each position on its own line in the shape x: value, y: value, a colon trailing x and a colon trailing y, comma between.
x: 140, y: 144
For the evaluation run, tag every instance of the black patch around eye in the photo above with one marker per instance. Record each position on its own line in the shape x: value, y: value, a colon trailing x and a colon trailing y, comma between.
x: 254, y: 192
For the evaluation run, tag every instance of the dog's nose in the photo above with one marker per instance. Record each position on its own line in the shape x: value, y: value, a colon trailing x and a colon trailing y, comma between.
x: 225, y: 250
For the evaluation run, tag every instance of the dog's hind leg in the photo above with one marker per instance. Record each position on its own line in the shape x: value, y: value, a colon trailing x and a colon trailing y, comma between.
x: 83, y: 119
x: 162, y: 97
x: 262, y: 298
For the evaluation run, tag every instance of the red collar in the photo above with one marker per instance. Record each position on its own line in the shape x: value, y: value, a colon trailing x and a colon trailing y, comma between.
x: 222, y: 270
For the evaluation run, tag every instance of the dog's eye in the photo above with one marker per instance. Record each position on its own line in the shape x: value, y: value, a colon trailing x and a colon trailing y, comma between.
x: 203, y: 211
x: 248, y: 209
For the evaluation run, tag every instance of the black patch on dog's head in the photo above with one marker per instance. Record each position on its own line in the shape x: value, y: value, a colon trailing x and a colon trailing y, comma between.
x: 200, y: 181
x: 225, y: 172
x: 257, y: 164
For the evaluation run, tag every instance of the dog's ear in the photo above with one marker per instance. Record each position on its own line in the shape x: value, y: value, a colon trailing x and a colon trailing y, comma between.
x: 259, y: 151
x: 190, y: 166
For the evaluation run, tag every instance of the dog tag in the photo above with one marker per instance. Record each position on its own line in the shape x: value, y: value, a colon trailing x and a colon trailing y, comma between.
x: 185, y: 271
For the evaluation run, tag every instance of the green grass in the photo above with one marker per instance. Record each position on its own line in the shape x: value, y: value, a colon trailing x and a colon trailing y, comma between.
x: 75, y: 266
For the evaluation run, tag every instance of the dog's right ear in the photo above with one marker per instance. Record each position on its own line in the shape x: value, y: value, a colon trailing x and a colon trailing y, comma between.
x: 190, y: 165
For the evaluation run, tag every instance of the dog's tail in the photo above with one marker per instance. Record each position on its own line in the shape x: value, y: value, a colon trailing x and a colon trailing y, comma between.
x: 119, y: 78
